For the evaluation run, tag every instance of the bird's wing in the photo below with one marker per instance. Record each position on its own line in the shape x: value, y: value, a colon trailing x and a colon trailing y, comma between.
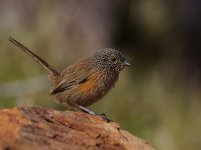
x: 72, y: 76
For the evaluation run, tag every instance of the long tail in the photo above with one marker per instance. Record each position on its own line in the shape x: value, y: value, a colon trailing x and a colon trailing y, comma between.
x: 35, y: 57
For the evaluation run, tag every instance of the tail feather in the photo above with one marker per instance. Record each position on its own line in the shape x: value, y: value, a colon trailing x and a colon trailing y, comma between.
x: 35, y: 57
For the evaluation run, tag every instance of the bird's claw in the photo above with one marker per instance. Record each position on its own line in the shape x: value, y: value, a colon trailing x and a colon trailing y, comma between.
x: 104, y: 117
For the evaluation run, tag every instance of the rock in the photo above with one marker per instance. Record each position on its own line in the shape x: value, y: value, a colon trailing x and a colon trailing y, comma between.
x: 35, y: 128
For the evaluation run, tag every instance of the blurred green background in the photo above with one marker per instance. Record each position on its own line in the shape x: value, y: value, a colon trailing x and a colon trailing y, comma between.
x: 159, y: 99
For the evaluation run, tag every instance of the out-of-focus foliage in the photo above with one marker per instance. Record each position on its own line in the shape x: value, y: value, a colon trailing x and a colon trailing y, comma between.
x: 159, y: 99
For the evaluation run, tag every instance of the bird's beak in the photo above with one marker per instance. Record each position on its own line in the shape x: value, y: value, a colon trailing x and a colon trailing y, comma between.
x: 126, y: 63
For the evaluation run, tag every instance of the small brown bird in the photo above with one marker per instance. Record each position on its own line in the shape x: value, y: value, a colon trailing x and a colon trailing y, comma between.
x: 84, y: 82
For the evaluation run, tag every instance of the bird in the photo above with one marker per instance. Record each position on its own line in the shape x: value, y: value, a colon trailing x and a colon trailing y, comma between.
x: 84, y: 82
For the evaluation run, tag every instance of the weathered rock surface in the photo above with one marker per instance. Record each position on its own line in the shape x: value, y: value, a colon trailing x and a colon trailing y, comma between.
x: 35, y: 128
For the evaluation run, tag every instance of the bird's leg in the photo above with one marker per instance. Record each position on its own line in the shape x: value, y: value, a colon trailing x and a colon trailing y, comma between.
x: 86, y: 110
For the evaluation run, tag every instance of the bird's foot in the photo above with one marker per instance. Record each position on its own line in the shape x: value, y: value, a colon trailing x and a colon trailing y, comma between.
x: 86, y: 110
x: 104, y: 117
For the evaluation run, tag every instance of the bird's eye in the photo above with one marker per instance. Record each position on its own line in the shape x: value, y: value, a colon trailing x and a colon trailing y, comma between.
x: 114, y: 59
x: 123, y: 58
x: 104, y: 59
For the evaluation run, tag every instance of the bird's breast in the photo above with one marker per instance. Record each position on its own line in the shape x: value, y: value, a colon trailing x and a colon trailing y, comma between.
x: 96, y: 86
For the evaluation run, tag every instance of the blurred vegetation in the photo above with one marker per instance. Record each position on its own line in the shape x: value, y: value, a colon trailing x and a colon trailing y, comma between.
x: 158, y: 99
